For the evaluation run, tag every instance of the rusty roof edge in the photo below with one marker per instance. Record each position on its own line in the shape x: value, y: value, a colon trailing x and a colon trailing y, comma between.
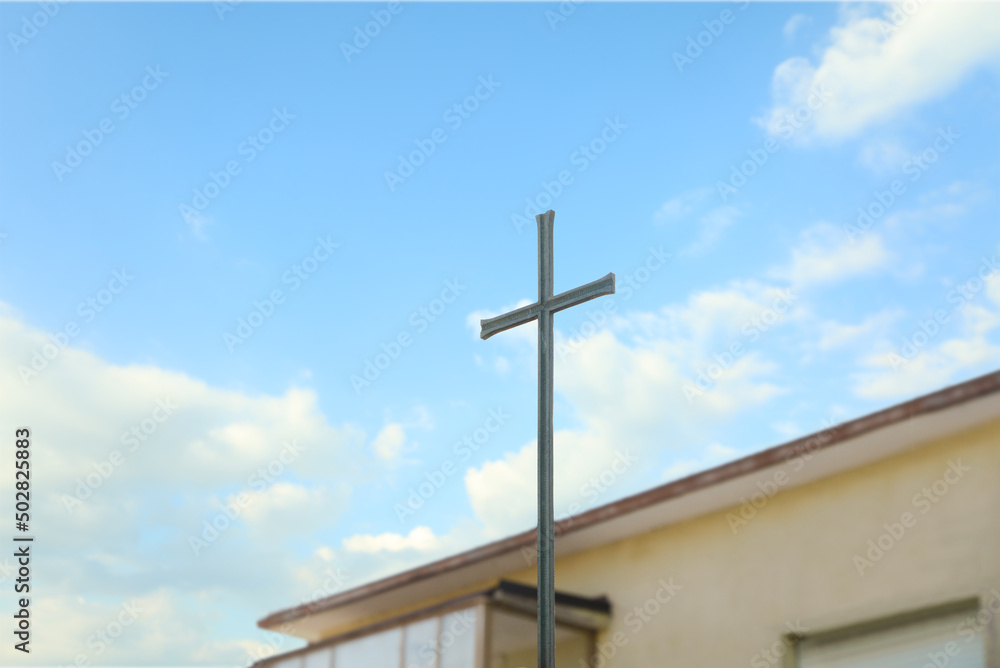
x: 833, y: 435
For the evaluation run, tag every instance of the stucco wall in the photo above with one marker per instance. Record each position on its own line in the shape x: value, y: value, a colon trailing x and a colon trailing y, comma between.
x: 737, y: 589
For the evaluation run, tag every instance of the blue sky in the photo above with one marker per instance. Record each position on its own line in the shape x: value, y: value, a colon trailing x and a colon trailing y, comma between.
x: 168, y: 171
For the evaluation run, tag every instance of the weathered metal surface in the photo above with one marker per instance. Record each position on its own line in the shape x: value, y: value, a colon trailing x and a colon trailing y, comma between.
x: 543, y: 311
x: 598, y: 288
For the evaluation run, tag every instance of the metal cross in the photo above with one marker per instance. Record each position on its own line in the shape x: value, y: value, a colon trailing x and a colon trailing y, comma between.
x: 543, y: 310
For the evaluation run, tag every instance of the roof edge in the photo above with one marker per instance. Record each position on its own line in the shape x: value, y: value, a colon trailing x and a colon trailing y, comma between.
x: 833, y: 435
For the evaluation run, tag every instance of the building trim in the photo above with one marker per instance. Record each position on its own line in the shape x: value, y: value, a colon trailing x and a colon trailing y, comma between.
x: 955, y: 395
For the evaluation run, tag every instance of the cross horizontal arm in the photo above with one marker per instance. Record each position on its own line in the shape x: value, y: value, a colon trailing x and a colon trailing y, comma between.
x: 584, y: 293
x: 602, y: 286
x: 510, y: 320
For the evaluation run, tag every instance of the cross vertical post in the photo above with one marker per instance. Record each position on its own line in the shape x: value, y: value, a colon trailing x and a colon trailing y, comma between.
x: 544, y: 311
x: 546, y: 475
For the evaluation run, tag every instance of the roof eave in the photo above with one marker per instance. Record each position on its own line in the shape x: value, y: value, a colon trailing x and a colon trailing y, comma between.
x: 760, y: 461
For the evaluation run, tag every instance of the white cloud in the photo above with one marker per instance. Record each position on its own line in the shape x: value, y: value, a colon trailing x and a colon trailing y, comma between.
x: 919, y: 362
x: 154, y: 454
x: 714, y: 315
x: 526, y: 334
x: 503, y: 491
x: 710, y: 228
x: 129, y: 629
x: 389, y: 441
x: 421, y: 539
x: 930, y: 370
x: 626, y: 386
x: 825, y: 255
x: 966, y: 190
x: 682, y: 206
x: 681, y: 212
x: 938, y: 208
x: 287, y: 509
x: 626, y: 383
x: 787, y: 428
x: 713, y: 455
x: 627, y: 398
x: 794, y: 24
x: 883, y: 156
x: 878, y: 67
x: 833, y: 334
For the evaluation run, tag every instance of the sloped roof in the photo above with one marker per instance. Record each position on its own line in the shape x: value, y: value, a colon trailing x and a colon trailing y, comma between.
x: 836, y: 449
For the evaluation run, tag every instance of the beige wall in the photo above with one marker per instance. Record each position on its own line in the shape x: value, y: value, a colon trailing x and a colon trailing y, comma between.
x: 793, y: 561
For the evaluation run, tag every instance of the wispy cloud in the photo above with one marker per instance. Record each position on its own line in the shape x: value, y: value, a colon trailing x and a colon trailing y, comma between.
x: 680, y: 207
x: 825, y: 255
x: 794, y: 25
x: 710, y: 229
x: 687, y: 211
x: 712, y: 455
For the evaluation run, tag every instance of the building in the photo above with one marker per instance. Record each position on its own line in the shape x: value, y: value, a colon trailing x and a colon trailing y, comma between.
x: 873, y: 543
